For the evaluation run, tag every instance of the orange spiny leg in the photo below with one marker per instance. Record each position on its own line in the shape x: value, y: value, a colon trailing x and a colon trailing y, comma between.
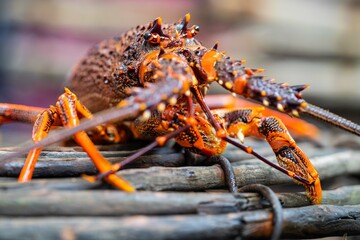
x: 313, y: 187
x: 19, y: 113
x: 296, y: 126
x: 40, y: 130
x: 42, y: 119
x: 193, y: 139
x: 250, y: 122
x: 104, y: 132
x: 68, y: 106
x: 66, y: 110
x: 290, y: 156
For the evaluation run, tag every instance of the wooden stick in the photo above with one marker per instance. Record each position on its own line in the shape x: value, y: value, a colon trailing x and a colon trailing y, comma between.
x: 298, y: 223
x: 108, y: 203
x: 189, y: 178
x: 68, y: 162
x: 57, y: 161
x: 321, y: 221
x: 201, y: 178
x: 45, y: 202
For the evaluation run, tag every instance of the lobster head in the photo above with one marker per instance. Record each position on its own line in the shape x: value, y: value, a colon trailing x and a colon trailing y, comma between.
x: 174, y: 36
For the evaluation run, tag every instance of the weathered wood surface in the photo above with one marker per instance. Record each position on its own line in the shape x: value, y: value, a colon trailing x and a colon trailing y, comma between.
x: 72, y: 161
x: 60, y: 162
x: 304, y: 222
x: 67, y: 164
x: 72, y: 208
x: 46, y: 202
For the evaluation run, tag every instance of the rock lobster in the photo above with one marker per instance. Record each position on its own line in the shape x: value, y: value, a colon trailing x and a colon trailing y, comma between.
x: 150, y: 84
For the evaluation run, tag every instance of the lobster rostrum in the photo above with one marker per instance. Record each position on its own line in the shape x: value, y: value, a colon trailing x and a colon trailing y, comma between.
x: 151, y: 82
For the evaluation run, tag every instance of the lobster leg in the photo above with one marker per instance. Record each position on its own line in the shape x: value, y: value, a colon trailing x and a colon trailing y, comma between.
x: 310, y: 181
x: 296, y: 126
x: 19, y: 113
x: 250, y: 122
x: 40, y: 130
x: 29, y: 114
x: 67, y: 109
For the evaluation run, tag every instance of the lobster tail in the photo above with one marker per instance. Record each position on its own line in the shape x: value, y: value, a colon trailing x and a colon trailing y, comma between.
x: 332, y: 118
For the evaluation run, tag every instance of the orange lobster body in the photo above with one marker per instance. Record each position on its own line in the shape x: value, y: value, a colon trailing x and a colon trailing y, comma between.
x: 156, y: 77
x: 171, y: 50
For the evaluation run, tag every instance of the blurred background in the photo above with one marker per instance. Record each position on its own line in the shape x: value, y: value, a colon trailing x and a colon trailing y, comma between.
x: 296, y: 41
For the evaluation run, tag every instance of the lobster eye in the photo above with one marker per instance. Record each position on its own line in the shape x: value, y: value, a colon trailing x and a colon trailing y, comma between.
x: 196, y: 28
x: 147, y: 35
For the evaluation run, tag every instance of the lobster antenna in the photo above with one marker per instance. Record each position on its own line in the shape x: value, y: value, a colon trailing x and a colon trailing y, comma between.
x: 331, y: 118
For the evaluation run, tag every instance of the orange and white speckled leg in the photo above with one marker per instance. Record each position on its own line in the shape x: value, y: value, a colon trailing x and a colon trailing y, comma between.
x: 244, y: 122
x: 18, y: 113
x: 40, y: 130
x: 289, y: 155
x: 28, y: 114
x: 67, y: 109
x: 296, y: 126
x: 250, y: 122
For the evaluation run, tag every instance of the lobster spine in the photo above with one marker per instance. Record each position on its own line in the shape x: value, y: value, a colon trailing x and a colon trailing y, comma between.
x: 233, y: 76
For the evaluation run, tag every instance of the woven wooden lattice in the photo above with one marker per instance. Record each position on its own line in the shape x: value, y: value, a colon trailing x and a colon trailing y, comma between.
x: 193, y: 203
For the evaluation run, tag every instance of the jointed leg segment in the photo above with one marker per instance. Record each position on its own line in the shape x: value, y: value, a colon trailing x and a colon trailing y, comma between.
x: 291, y: 158
x: 250, y: 122
x: 41, y: 128
x: 19, y: 113
x: 67, y: 110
